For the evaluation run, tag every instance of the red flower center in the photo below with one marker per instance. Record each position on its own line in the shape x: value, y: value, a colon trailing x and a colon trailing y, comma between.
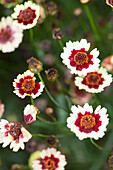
x: 87, y: 121
x: 28, y: 85
x: 26, y: 14
x: 15, y: 130
x: 50, y: 164
x: 6, y: 35
x: 111, y: 2
x: 80, y: 58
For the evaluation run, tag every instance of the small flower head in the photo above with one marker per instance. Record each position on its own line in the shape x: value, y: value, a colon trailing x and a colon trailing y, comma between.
x: 88, y: 124
x: 77, y: 58
x: 94, y: 82
x: 35, y: 66
x: 10, y: 35
x: 30, y: 113
x: 108, y: 63
x: 52, y: 74
x: 77, y: 11
x: 50, y: 158
x: 84, y: 1
x: 110, y: 161
x: 52, y: 141
x: 13, y: 134
x: 57, y: 34
x: 42, y: 15
x: 16, y: 167
x: 26, y: 15
x: 25, y: 85
x: 49, y: 111
x: 51, y: 8
x: 110, y: 3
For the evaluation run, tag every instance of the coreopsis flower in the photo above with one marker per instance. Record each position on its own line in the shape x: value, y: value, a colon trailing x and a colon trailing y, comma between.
x: 110, y: 3
x: 108, y: 63
x: 77, y: 58
x: 50, y: 158
x: 1, y: 109
x: 88, y: 124
x: 10, y: 35
x: 26, y: 15
x: 30, y: 112
x: 14, y: 134
x: 25, y: 85
x: 94, y: 82
x: 110, y: 161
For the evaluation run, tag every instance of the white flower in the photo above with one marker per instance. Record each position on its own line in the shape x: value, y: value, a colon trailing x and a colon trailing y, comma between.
x: 30, y: 113
x: 10, y: 35
x: 86, y: 124
x: 77, y: 58
x: 25, y: 85
x: 13, y: 134
x: 50, y: 158
x: 94, y: 82
x: 26, y: 15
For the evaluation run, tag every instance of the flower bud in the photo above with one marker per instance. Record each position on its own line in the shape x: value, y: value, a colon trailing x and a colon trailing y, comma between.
x: 84, y: 1
x: 49, y: 111
x: 16, y: 167
x: 52, y: 141
x: 110, y: 3
x: 35, y: 66
x: 52, y: 74
x: 57, y: 34
x: 51, y: 8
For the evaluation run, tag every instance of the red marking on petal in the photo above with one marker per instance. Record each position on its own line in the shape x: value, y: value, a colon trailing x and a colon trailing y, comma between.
x: 28, y: 118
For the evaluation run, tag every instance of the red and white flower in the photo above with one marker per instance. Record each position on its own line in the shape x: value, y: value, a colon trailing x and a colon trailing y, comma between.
x: 77, y: 58
x: 25, y: 85
x: 110, y: 3
x: 10, y: 35
x: 94, y: 82
x: 13, y: 134
x: 88, y: 124
x: 30, y: 113
x: 50, y: 158
x: 26, y: 15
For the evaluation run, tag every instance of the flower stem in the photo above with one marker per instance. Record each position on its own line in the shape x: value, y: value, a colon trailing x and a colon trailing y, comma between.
x: 53, y: 118
x: 64, y: 89
x: 41, y: 135
x: 61, y: 43
x: 92, y: 141
x: 31, y: 35
x: 96, y: 99
x: 46, y: 121
x: 86, y: 7
x: 32, y: 101
x: 52, y: 99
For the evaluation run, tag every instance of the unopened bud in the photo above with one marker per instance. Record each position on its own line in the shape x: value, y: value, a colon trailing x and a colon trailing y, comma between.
x: 51, y: 8
x: 84, y: 1
x: 57, y: 34
x: 52, y: 141
x: 52, y: 74
x: 16, y: 167
x: 49, y: 111
x: 35, y: 66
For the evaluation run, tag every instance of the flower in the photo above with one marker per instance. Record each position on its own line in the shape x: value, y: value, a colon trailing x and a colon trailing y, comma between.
x: 13, y: 134
x: 108, y: 63
x: 50, y: 158
x: 51, y: 8
x: 10, y: 35
x: 94, y: 82
x: 110, y: 3
x: 1, y: 109
x: 86, y: 124
x: 25, y: 85
x: 26, y: 15
x: 77, y: 59
x: 30, y: 113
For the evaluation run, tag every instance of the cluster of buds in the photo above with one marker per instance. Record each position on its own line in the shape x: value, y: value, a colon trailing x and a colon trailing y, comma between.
x: 35, y: 66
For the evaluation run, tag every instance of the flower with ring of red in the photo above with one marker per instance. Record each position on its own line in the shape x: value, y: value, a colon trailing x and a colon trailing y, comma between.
x: 88, y: 124
x: 14, y: 134
x: 25, y: 85
x: 77, y: 58
x: 110, y: 3
x: 94, y: 82
x: 26, y: 15
x: 50, y: 159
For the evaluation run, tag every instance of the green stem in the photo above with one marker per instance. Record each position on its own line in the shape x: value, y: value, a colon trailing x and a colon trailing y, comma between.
x: 32, y: 101
x: 92, y: 141
x: 91, y: 21
x: 96, y: 99
x: 52, y: 99
x: 63, y: 88
x: 61, y: 43
x: 41, y: 135
x: 31, y: 35
x: 17, y: 1
x: 46, y: 121
x: 53, y: 118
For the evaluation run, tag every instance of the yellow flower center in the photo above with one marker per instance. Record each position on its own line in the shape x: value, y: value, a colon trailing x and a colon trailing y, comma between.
x: 80, y: 58
x: 87, y: 121
x: 28, y: 85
